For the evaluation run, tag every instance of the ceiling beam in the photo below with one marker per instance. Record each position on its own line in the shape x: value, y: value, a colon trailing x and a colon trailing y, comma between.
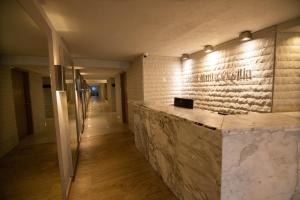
x: 100, y: 63
x: 24, y: 61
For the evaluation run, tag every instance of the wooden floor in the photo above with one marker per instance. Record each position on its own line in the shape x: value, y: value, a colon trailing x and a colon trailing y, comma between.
x: 110, y: 167
x: 30, y: 171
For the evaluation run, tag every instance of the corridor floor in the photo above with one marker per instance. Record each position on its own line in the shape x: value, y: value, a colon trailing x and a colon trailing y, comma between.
x: 30, y: 170
x: 110, y: 167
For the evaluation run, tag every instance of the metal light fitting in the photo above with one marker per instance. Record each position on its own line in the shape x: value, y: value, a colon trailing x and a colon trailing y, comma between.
x: 185, y: 56
x: 245, y: 36
x: 208, y: 48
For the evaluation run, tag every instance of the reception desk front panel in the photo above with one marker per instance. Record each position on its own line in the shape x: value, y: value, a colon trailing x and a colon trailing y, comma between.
x: 228, y: 158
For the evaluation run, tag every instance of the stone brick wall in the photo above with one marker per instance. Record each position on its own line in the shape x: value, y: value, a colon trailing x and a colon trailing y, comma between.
x: 8, y: 125
x: 235, y: 78
x: 287, y: 73
x: 162, y: 79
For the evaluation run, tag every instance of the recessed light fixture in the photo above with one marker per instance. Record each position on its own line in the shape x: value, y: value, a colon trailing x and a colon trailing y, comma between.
x: 185, y: 56
x: 245, y: 36
x: 208, y: 48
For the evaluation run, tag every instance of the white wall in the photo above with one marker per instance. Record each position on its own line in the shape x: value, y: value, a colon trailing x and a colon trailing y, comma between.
x: 155, y: 79
x: 134, y: 87
x: 162, y: 79
x: 8, y: 125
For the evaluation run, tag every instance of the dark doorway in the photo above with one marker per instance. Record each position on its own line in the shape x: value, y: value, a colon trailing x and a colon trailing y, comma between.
x: 20, y: 83
x: 94, y: 90
x: 124, y: 97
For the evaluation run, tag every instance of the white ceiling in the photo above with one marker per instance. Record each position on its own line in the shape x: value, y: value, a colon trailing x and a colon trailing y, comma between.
x: 19, y: 35
x: 122, y: 29
x: 109, y: 31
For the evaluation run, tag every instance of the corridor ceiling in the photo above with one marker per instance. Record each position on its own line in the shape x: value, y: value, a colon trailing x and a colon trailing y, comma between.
x: 22, y: 43
x: 122, y: 29
x: 20, y: 36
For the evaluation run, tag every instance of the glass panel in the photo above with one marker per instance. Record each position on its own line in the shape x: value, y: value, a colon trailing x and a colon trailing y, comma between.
x: 70, y: 90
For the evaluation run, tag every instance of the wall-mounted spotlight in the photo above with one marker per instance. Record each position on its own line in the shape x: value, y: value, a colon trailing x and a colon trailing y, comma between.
x: 145, y: 55
x: 245, y: 36
x: 185, y: 56
x: 208, y: 48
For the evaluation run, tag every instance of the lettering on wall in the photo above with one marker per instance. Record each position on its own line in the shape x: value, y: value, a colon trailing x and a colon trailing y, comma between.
x: 227, y: 75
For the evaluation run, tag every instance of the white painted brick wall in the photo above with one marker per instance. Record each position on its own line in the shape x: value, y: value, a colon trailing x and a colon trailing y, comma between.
x: 162, y: 79
x: 134, y: 87
x: 237, y: 96
x: 135, y: 80
x: 287, y: 73
x: 8, y: 125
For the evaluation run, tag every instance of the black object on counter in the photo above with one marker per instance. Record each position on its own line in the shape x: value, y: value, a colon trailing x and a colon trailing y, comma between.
x: 184, y: 103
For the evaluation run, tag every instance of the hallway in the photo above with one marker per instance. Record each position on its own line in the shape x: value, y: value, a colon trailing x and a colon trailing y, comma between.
x: 110, y: 167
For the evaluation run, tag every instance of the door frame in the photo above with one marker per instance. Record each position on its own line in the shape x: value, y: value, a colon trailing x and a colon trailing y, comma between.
x: 27, y: 99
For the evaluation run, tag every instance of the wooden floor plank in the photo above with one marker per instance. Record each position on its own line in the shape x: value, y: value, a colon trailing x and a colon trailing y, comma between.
x: 110, y: 167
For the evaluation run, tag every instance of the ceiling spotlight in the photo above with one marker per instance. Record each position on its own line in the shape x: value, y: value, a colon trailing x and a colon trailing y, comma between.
x: 208, y: 48
x: 245, y: 36
x: 185, y: 56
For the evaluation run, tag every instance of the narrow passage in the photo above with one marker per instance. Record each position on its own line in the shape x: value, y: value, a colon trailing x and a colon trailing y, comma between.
x: 110, y: 167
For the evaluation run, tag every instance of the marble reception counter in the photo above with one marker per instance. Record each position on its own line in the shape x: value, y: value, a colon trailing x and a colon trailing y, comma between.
x: 206, y: 156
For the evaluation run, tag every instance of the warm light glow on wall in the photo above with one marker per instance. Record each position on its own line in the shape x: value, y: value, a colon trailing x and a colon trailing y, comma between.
x: 249, y: 46
x: 248, y: 51
x: 212, y: 59
x: 294, y: 40
x: 187, y: 67
x: 177, y: 80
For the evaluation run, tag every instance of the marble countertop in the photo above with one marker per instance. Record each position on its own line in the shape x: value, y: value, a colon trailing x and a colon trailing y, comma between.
x: 250, y: 121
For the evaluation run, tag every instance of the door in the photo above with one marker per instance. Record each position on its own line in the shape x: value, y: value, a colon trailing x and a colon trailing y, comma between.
x: 124, y: 97
x: 20, y: 84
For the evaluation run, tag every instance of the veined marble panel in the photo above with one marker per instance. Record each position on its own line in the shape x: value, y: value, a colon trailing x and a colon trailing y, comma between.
x: 261, y: 165
x: 198, y: 156
x: 187, y: 156
x: 141, y: 126
x: 162, y: 145
x: 239, y: 157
